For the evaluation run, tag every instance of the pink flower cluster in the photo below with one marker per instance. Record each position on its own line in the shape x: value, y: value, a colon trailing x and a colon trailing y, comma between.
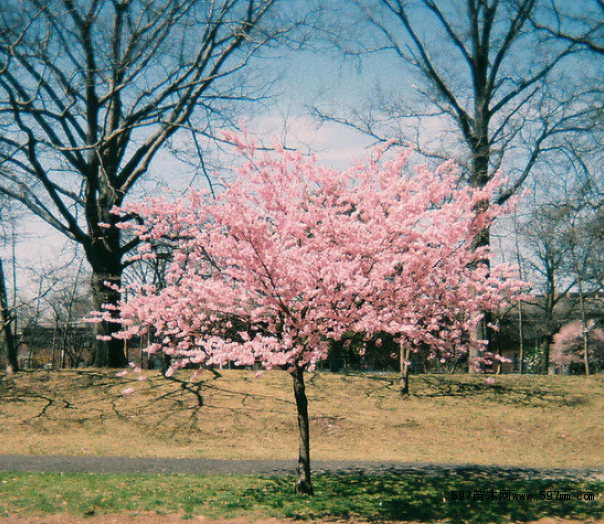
x: 570, y: 342
x: 293, y: 255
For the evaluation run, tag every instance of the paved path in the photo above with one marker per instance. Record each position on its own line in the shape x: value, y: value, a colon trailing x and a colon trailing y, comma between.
x: 234, y: 467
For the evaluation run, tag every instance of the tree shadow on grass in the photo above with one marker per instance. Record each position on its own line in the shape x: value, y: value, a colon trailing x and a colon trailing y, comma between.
x: 454, y: 495
x: 508, y: 393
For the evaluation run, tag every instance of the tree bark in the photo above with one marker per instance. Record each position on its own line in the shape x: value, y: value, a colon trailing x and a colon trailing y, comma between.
x: 521, y: 337
x: 335, y: 357
x: 303, y: 481
x: 105, y: 257
x: 479, y: 177
x: 404, y: 357
x: 546, y: 343
x: 107, y: 352
x: 586, y: 351
x: 579, y: 274
x: 549, y: 305
x: 7, y: 341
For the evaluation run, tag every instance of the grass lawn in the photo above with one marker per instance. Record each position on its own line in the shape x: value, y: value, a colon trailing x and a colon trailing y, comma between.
x: 344, y: 497
x: 528, y: 421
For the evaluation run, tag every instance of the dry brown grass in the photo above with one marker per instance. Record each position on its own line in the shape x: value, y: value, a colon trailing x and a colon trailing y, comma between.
x: 528, y: 421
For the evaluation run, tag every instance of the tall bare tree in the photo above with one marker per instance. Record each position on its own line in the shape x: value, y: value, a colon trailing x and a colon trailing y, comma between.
x: 546, y: 254
x: 481, y: 75
x: 482, y: 91
x: 582, y: 25
x: 8, y: 344
x: 91, y: 90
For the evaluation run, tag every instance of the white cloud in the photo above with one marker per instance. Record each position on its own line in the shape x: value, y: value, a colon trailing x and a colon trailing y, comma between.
x: 333, y: 144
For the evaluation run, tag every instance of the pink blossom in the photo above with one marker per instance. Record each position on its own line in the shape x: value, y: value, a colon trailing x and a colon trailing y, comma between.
x: 291, y: 256
x: 569, y: 343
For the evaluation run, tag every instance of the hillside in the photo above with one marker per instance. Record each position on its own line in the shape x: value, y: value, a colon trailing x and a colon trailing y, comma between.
x: 530, y: 421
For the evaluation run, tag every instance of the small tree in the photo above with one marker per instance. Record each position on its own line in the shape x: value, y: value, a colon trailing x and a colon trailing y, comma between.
x: 579, y: 343
x: 292, y: 256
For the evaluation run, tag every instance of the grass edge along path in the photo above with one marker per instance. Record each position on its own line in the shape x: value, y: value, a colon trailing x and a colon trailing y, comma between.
x: 396, y: 495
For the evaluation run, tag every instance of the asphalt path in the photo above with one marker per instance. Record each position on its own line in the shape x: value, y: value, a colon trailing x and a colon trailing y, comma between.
x: 163, y: 466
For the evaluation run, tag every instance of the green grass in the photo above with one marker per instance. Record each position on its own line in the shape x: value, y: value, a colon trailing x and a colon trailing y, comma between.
x: 350, y: 496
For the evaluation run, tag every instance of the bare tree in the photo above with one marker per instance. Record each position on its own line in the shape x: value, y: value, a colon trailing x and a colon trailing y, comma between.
x: 90, y: 91
x: 482, y: 76
x: 585, y: 247
x: 69, y: 302
x: 582, y: 25
x: 546, y: 254
x: 8, y: 344
x: 483, y: 87
x: 562, y: 243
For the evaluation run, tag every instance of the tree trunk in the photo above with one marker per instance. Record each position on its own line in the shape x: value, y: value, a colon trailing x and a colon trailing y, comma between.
x: 546, y: 343
x: 108, y: 351
x: 579, y: 273
x: 7, y: 341
x: 479, y: 178
x: 521, y: 337
x: 481, y: 331
x: 586, y: 351
x: 584, y: 326
x: 404, y: 357
x: 104, y: 254
x: 477, y: 349
x: 335, y: 359
x: 520, y: 312
x: 303, y: 481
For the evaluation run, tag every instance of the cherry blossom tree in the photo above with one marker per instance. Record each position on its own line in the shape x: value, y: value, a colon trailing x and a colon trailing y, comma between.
x: 292, y: 256
x: 579, y: 343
